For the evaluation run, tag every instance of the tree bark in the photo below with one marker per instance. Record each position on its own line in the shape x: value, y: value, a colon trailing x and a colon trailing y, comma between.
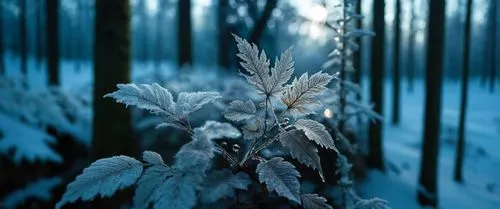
x: 23, y: 37
x: 39, y: 32
x: 159, y: 35
x: 52, y: 36
x: 493, y: 44
x: 459, y: 157
x: 223, y: 34
x: 184, y: 33
x: 411, y: 50
x: 260, y: 25
x: 396, y: 84
x: 2, y: 48
x: 376, y: 155
x: 427, y: 189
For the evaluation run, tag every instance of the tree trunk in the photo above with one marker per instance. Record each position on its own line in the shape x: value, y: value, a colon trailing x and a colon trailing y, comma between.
x: 224, y: 34
x: 159, y: 35
x: 459, y: 158
x: 2, y: 47
x: 493, y: 22
x: 427, y: 189
x: 395, y: 66
x: 260, y: 25
x: 52, y: 37
x: 357, y: 59
x: 410, y: 68
x: 23, y: 37
x: 184, y: 33
x: 376, y: 155
x: 39, y: 32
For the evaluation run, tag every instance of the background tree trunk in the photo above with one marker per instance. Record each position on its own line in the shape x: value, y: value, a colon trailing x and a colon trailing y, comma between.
x: 39, y: 32
x: 375, y: 155
x: 357, y: 58
x: 395, y: 66
x: 493, y: 30
x: 52, y: 36
x: 159, y: 34
x: 223, y: 34
x: 260, y: 25
x: 427, y: 189
x: 459, y: 158
x: 184, y: 33
x: 2, y: 47
x: 23, y: 41
x: 410, y: 68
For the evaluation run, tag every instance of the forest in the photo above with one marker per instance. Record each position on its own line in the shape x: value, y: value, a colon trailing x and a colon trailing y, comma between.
x: 249, y: 104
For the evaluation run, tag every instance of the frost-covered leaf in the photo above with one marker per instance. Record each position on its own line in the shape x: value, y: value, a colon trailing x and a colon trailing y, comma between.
x: 316, y: 132
x: 300, y: 97
x: 314, y: 201
x: 302, y: 149
x: 196, y: 155
x: 177, y: 192
x: 144, y: 96
x: 280, y: 176
x: 239, y: 110
x: 282, y: 71
x: 26, y: 142
x: 152, y: 158
x: 253, y: 129
x: 217, y: 130
x: 40, y: 189
x: 149, y: 183
x: 222, y: 184
x: 192, y: 101
x: 103, y: 177
x: 374, y: 203
x: 256, y: 66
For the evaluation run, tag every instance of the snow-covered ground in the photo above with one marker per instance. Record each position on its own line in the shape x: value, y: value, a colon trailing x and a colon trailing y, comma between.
x: 403, y: 147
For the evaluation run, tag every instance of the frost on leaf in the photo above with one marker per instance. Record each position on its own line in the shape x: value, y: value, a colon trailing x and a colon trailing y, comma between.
x: 374, y: 203
x: 239, y: 110
x: 253, y: 129
x: 314, y: 201
x: 316, y: 132
x: 280, y: 176
x: 300, y: 97
x: 149, y: 183
x: 152, y: 158
x: 268, y: 82
x: 103, y: 177
x: 177, y: 192
x: 222, y: 184
x: 196, y: 155
x: 217, y: 130
x: 144, y: 96
x: 190, y: 102
x: 302, y: 149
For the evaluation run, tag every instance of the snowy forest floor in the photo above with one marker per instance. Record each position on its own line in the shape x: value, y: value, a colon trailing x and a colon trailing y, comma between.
x: 402, y: 144
x: 402, y: 149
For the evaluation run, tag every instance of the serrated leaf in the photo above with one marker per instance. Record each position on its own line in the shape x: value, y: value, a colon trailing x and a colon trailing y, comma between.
x: 282, y: 71
x: 192, y: 101
x: 314, y: 201
x: 217, y: 130
x: 302, y: 149
x: 144, y: 96
x: 175, y: 193
x: 300, y: 97
x: 253, y: 129
x: 280, y: 176
x: 222, y: 184
x: 374, y: 203
x: 316, y: 132
x: 257, y: 66
x: 152, y: 158
x: 196, y: 155
x: 149, y: 183
x: 103, y: 177
x: 239, y: 110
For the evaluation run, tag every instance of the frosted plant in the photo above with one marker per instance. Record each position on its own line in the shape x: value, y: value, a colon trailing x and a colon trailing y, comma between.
x: 192, y: 177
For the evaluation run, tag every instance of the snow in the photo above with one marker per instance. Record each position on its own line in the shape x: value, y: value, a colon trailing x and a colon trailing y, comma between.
x: 402, y: 148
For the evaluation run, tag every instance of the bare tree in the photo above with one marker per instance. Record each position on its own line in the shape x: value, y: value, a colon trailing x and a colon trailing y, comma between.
x: 410, y: 68
x: 184, y: 35
x: 261, y: 24
x: 427, y: 190
x: 493, y: 37
x: 223, y: 34
x: 396, y: 78
x: 52, y: 36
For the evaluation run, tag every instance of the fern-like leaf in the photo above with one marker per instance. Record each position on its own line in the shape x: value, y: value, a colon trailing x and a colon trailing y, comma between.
x: 152, y: 158
x: 149, y: 183
x: 196, y: 155
x: 280, y: 176
x: 374, y: 203
x: 282, y: 71
x: 253, y: 129
x: 144, y: 96
x: 190, y: 102
x: 300, y: 97
x: 104, y: 177
x: 302, y: 149
x: 222, y: 184
x: 314, y: 201
x: 239, y: 110
x: 175, y: 193
x: 316, y: 132
x: 217, y: 130
x: 256, y: 66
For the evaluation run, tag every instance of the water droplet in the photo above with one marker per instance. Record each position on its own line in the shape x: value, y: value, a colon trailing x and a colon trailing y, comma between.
x: 223, y: 144
x: 236, y: 148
